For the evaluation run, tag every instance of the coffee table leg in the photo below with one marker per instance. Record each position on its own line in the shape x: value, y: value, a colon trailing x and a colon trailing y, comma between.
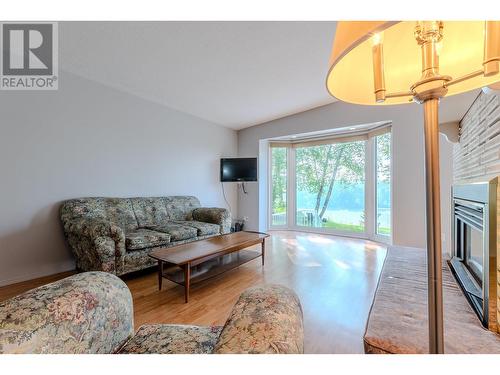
x: 263, y: 250
x: 160, y: 273
x: 187, y: 279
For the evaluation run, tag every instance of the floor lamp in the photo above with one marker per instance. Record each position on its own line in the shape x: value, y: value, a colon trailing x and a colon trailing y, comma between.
x: 383, y: 63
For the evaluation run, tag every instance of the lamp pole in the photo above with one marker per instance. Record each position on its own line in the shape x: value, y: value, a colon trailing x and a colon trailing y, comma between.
x: 433, y: 208
x: 430, y: 88
x: 427, y: 91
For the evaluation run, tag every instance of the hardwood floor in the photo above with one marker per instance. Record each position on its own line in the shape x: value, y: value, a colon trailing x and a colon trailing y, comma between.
x: 13, y: 290
x: 335, y: 278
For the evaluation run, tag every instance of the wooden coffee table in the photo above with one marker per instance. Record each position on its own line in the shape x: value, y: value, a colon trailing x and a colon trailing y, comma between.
x: 196, y: 261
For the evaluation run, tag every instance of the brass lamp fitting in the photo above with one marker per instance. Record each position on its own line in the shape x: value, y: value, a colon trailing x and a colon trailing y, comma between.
x: 378, y: 68
x: 491, y: 61
x: 432, y: 85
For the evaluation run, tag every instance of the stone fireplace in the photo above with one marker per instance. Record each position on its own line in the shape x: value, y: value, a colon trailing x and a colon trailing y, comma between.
x: 476, y: 158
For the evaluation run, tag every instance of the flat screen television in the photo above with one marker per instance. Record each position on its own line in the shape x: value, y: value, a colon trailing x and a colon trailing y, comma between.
x: 238, y: 169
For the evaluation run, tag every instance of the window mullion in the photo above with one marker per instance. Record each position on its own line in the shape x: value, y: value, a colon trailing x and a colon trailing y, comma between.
x: 292, y: 186
x: 370, y: 186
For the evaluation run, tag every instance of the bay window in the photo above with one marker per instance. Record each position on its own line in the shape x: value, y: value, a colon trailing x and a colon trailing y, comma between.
x: 339, y: 185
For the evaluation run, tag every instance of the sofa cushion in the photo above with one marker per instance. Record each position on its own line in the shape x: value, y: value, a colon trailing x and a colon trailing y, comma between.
x: 118, y: 211
x: 150, y: 211
x: 177, y: 232
x: 83, y: 208
x: 204, y: 229
x: 181, y: 207
x: 172, y: 339
x: 143, y: 238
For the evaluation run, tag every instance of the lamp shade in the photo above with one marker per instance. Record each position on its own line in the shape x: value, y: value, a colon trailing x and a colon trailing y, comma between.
x: 351, y: 74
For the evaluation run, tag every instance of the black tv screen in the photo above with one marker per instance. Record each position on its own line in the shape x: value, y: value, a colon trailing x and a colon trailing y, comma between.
x: 238, y: 169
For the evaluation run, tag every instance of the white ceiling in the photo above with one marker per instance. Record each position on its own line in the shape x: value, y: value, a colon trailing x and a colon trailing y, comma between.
x: 235, y: 74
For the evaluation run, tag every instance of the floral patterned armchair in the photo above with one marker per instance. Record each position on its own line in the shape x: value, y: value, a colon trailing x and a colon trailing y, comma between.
x: 116, y: 235
x: 92, y: 312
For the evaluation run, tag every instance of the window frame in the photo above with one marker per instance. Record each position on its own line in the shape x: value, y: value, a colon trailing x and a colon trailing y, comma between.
x: 270, y: 189
x: 377, y: 236
x: 370, y: 184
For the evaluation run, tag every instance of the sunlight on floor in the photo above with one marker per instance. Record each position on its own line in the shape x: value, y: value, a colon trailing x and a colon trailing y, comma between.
x: 317, y: 250
x: 372, y: 246
x: 342, y: 264
x: 318, y: 239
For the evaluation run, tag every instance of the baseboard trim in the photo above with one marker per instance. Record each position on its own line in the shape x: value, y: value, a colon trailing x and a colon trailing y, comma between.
x: 46, y: 271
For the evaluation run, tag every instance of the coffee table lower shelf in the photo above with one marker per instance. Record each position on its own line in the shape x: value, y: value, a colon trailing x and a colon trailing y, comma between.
x: 205, y: 270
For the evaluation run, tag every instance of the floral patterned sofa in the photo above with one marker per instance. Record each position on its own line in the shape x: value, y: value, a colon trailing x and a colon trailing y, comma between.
x: 117, y: 234
x: 92, y: 312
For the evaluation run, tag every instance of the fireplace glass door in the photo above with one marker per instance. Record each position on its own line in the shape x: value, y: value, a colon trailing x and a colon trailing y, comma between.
x: 470, y: 238
x: 473, y: 243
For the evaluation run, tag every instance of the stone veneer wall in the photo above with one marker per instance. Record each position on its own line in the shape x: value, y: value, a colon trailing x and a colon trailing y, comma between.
x: 477, y: 155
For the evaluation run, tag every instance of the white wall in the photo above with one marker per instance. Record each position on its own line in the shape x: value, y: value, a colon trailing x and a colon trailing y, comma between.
x: 408, y: 163
x: 90, y: 140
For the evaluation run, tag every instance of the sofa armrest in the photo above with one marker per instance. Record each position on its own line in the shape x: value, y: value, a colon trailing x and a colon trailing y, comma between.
x: 214, y: 215
x: 89, y: 312
x: 266, y: 319
x: 97, y: 244
x: 95, y: 228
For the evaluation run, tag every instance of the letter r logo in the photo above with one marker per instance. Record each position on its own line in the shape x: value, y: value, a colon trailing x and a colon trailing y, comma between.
x: 27, y: 49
